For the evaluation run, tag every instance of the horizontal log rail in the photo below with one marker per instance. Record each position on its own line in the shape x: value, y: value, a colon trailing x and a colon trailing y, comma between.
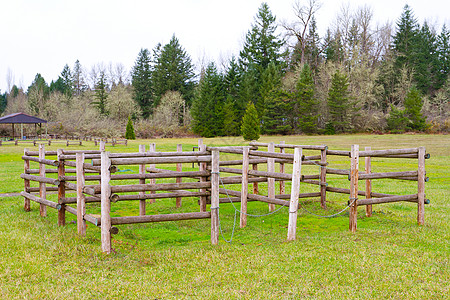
x: 44, y: 161
x: 85, y: 166
x: 90, y: 190
x: 408, y: 198
x: 308, y: 147
x: 40, y: 200
x: 158, y: 187
x: 160, y: 218
x: 54, y: 171
x: 140, y: 154
x: 387, y: 175
x: 270, y: 174
x: 172, y: 174
x: 155, y: 160
x: 36, y: 189
x: 40, y: 179
x: 338, y: 172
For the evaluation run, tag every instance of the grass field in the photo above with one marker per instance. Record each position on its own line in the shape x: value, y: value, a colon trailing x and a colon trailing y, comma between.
x: 390, y: 256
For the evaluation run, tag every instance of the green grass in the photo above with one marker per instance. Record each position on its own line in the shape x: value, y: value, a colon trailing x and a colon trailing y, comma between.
x: 390, y: 256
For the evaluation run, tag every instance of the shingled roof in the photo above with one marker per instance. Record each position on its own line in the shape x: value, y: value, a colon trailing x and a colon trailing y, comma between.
x: 21, y: 118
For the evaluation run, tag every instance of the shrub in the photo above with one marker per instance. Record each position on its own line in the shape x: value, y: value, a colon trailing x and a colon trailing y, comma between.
x: 129, y: 134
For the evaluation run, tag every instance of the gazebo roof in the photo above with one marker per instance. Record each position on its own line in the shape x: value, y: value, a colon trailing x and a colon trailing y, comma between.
x: 21, y: 118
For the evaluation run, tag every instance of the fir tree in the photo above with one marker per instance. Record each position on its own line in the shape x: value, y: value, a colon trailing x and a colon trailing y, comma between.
x: 230, y: 119
x: 79, y: 84
x: 141, y: 81
x: 38, y: 93
x: 67, y: 82
x: 413, y: 106
x: 101, y: 94
x: 308, y: 105
x: 443, y: 51
x: 250, y: 128
x: 405, y: 38
x: 339, y: 103
x: 3, y: 102
x: 129, y: 134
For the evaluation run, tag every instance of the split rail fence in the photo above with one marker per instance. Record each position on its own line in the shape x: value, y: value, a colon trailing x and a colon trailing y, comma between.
x: 92, y: 182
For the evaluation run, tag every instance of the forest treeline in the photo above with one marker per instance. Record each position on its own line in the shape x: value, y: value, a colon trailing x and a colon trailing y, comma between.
x: 359, y: 77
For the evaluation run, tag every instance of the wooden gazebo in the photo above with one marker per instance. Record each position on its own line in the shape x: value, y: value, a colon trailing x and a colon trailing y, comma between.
x: 22, y: 118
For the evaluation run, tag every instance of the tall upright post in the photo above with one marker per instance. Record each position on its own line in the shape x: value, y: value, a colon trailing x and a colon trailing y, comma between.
x: 323, y: 178
x: 179, y: 179
x: 295, y: 191
x: 271, y: 181
x: 105, y: 202
x: 202, y: 167
x: 244, y: 187
x: 215, y: 197
x: 368, y: 169
x: 152, y: 148
x: 354, y: 187
x: 421, y: 187
x: 26, y: 182
x: 282, y: 170
x: 42, y: 187
x: 142, y: 181
x: 81, y: 201
x: 61, y: 189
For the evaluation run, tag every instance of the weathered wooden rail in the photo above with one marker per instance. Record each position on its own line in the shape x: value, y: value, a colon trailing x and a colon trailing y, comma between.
x: 92, y: 182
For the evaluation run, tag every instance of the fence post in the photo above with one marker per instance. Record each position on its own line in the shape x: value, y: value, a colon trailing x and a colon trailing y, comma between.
x: 202, y: 167
x: 282, y: 170
x: 105, y: 202
x: 421, y: 187
x: 354, y: 187
x: 323, y: 178
x: 368, y: 169
x: 81, y: 204
x: 215, y: 198
x: 152, y: 148
x: 142, y: 181
x: 244, y: 187
x: 295, y: 191
x: 42, y: 187
x: 179, y: 179
x: 26, y: 182
x: 61, y: 188
x: 271, y: 181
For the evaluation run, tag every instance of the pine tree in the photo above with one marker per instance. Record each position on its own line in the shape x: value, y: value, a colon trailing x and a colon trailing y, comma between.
x: 3, y: 102
x: 270, y: 98
x: 250, y: 128
x: 308, y: 105
x: 141, y: 81
x: 79, y: 84
x: 129, y: 134
x: 101, y: 94
x: 443, y: 50
x: 405, y: 38
x: 230, y: 120
x: 38, y: 93
x: 67, y: 82
x: 277, y: 113
x: 339, y: 102
x: 413, y: 107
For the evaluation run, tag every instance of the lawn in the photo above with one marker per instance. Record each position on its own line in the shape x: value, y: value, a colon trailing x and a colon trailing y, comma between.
x: 390, y: 256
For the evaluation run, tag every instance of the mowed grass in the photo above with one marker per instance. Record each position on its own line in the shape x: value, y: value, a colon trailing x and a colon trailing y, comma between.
x: 390, y: 256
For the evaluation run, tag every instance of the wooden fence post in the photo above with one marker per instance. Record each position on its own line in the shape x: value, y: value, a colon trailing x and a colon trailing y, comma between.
x: 202, y: 167
x: 295, y: 191
x: 152, y: 148
x: 368, y: 169
x: 105, y: 202
x: 215, y: 197
x: 179, y: 179
x: 421, y: 187
x: 61, y: 188
x: 26, y: 182
x: 282, y: 170
x: 142, y: 181
x: 354, y: 187
x: 244, y: 187
x: 271, y: 181
x: 81, y: 204
x: 323, y: 178
x: 42, y: 187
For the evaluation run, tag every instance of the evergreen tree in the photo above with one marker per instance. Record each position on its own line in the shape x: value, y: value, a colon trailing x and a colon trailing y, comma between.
x: 57, y: 86
x: 234, y: 108
x: 308, y: 105
x: 230, y: 120
x: 270, y: 98
x: 79, y: 84
x: 173, y: 71
x: 413, y: 107
x: 207, y: 107
x: 101, y: 94
x: 250, y: 123
x: 405, y: 38
x: 38, y: 93
x: 396, y: 121
x: 339, y: 102
x: 129, y: 133
x: 277, y: 113
x: 3, y: 102
x: 141, y: 81
x: 66, y: 77
x: 443, y: 51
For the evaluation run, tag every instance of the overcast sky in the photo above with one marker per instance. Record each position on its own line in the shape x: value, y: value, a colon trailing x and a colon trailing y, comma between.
x: 41, y: 36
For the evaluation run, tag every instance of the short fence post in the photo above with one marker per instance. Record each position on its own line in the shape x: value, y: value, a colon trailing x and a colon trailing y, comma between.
x: 323, y: 178
x: 354, y: 188
x: 421, y: 187
x: 179, y: 179
x: 215, y: 197
x: 271, y: 181
x: 105, y: 202
x: 202, y: 167
x: 42, y: 187
x: 282, y: 170
x: 142, y: 181
x: 81, y: 204
x: 244, y: 187
x: 152, y: 148
x: 61, y: 188
x: 368, y: 169
x: 295, y: 191
x: 26, y: 182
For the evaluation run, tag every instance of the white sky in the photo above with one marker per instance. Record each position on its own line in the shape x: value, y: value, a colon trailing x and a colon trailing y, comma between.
x: 41, y: 36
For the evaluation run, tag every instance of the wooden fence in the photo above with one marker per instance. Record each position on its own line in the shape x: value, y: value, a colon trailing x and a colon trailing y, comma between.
x: 208, y: 181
